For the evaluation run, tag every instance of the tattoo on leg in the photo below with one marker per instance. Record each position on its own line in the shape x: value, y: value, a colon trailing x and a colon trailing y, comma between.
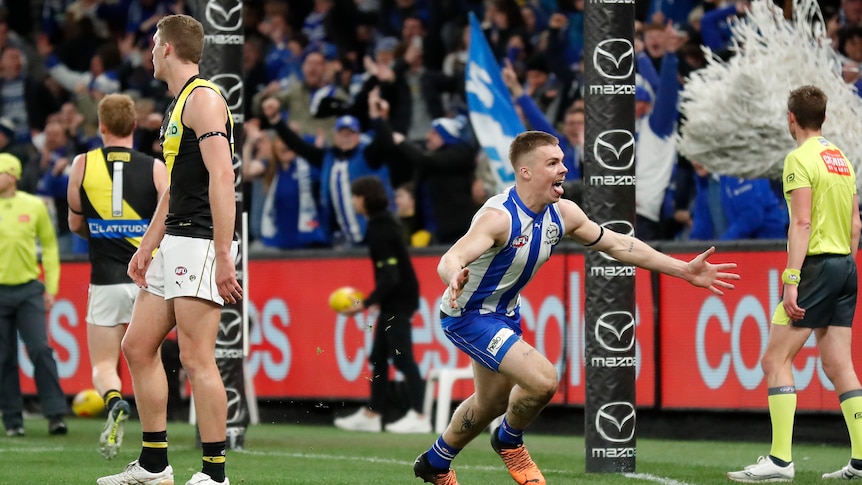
x: 527, y: 408
x: 528, y: 352
x: 468, y: 420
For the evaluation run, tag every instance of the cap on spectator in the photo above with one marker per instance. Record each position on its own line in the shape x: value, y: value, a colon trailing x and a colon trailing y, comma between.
x: 347, y: 121
x: 386, y: 44
x: 7, y: 128
x: 449, y: 129
x: 10, y: 164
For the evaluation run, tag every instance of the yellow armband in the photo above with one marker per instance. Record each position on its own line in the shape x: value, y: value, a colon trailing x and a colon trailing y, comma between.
x: 791, y: 276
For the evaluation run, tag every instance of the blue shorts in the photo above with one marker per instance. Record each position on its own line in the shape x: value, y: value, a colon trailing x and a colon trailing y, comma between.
x: 484, y: 337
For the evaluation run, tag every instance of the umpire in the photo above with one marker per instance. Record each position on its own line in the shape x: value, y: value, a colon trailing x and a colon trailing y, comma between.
x: 24, y: 300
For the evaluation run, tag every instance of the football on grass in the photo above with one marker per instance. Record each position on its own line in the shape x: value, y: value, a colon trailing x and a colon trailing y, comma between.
x: 344, y: 298
x: 88, y: 403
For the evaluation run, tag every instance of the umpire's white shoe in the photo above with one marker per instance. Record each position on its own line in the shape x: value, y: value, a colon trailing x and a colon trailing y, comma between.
x: 846, y: 473
x: 201, y: 478
x: 135, y: 474
x: 359, y: 421
x: 765, y: 470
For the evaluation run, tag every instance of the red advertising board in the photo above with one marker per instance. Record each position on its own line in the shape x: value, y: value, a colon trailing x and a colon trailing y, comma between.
x: 711, y: 345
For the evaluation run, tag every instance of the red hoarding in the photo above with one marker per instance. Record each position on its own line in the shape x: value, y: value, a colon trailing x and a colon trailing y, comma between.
x: 711, y: 345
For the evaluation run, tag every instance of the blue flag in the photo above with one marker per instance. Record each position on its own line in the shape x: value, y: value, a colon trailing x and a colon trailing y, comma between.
x: 492, y: 115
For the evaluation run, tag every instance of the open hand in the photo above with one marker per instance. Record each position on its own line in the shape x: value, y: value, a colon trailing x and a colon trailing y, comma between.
x: 456, y: 286
x: 701, y: 273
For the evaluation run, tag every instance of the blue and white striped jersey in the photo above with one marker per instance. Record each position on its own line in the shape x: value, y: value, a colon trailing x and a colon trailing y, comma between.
x: 498, y: 275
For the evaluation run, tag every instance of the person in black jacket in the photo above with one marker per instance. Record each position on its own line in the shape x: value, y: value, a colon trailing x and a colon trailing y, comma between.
x: 444, y: 172
x: 396, y: 294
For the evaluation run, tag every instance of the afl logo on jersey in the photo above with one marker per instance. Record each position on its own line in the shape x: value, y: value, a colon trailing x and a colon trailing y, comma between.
x: 180, y: 270
x: 520, y: 241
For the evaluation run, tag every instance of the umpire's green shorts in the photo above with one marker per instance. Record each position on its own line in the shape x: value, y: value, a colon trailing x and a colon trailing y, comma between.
x: 827, y: 292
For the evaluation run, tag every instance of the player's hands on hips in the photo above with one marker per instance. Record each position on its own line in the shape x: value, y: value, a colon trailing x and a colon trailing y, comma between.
x: 456, y: 286
x: 138, y: 266
x: 712, y: 276
x: 789, y: 301
x: 226, y: 282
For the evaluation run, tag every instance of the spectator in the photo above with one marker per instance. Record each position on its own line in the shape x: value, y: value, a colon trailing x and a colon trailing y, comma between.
x: 56, y: 157
x: 23, y: 100
x: 444, y: 174
x: 503, y: 21
x: 301, y: 100
x: 655, y: 152
x: 24, y: 301
x: 25, y: 152
x: 405, y: 206
x: 290, y: 217
x: 572, y: 141
x: 347, y: 159
x: 747, y: 209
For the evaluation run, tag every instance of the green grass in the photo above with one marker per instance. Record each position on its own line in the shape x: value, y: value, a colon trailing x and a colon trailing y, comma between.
x: 294, y: 454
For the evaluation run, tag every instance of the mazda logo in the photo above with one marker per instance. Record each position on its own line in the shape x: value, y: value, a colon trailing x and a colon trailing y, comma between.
x: 615, y: 149
x: 224, y: 19
x: 615, y: 331
x: 615, y: 422
x: 234, y: 405
x: 231, y: 89
x: 619, y: 226
x: 229, y: 328
x: 614, y: 58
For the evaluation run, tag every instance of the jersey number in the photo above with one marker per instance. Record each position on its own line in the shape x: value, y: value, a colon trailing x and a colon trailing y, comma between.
x: 117, y: 190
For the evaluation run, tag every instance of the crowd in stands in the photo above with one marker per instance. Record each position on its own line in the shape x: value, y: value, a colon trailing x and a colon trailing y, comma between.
x: 339, y: 89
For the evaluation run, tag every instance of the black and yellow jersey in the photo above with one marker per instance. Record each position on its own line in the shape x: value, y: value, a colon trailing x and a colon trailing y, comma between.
x: 189, y: 211
x: 118, y: 198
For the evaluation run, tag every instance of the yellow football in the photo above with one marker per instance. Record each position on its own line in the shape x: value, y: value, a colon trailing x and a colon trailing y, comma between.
x: 88, y: 403
x: 344, y: 298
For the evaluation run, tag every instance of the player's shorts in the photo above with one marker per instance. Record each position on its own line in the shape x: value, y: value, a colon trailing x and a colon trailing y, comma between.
x: 484, y: 337
x: 827, y: 292
x: 185, y: 266
x: 111, y: 305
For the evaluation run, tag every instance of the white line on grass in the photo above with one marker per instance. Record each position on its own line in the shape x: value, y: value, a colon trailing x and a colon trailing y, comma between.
x: 653, y: 478
x: 388, y: 461
x: 32, y: 450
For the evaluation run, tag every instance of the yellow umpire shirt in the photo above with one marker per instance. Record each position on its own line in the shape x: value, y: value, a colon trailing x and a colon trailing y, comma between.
x: 820, y: 165
x: 23, y: 219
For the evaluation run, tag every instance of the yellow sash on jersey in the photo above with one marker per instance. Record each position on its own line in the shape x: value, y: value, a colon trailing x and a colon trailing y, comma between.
x: 174, y: 132
x: 98, y: 185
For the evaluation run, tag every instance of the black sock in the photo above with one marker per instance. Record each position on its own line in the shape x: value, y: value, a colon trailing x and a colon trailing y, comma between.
x: 779, y: 461
x: 213, y: 459
x: 111, y: 397
x: 154, y: 451
x: 856, y: 463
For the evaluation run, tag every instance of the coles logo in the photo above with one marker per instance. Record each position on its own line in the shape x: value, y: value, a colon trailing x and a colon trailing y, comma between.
x: 180, y: 270
x: 615, y: 422
x: 614, y: 58
x: 24, y: 218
